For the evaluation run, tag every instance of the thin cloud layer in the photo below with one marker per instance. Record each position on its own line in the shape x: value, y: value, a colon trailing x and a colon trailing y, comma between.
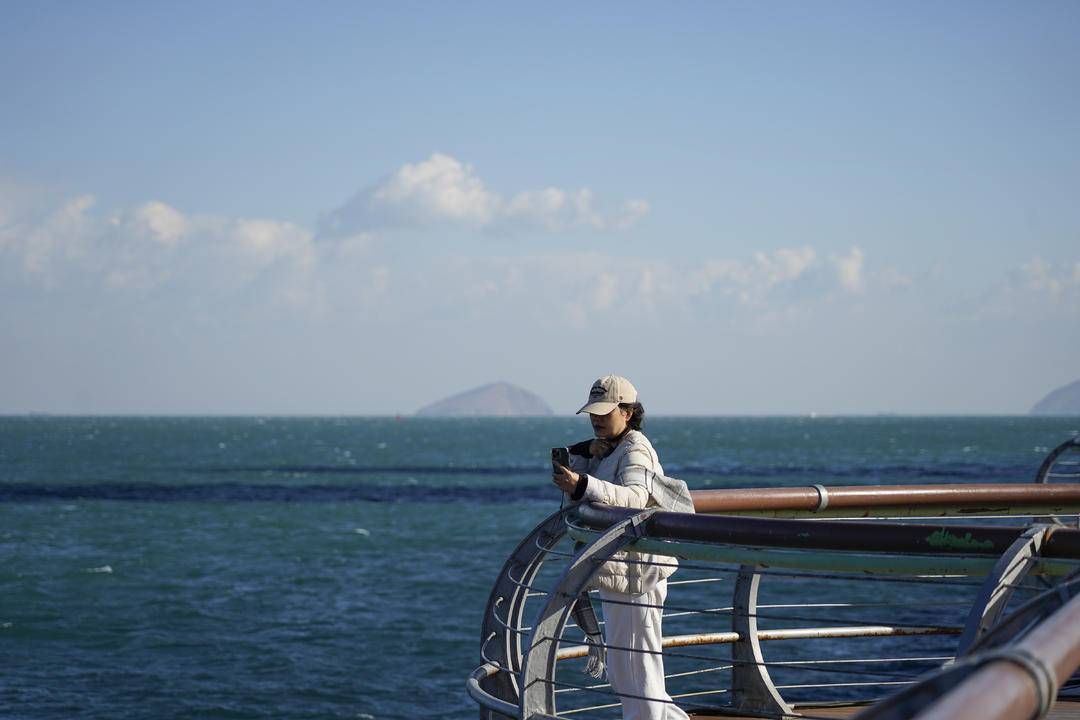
x: 595, y: 289
x: 442, y: 191
x: 155, y: 248
x: 176, y: 292
x: 1042, y: 283
x: 849, y: 270
x: 76, y: 247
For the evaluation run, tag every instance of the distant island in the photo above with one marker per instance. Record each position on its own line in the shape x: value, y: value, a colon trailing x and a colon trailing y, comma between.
x: 494, y: 400
x: 1063, y: 401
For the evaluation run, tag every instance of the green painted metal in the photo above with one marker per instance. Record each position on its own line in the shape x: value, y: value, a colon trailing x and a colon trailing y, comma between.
x: 943, y: 538
x: 829, y: 560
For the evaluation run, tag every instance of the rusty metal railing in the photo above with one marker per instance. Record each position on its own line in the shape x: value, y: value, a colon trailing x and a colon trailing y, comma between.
x: 1014, y: 671
x: 847, y: 609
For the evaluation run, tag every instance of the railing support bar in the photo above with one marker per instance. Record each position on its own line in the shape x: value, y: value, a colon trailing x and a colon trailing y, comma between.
x: 538, y: 668
x: 752, y: 687
x: 994, y: 595
x: 508, y: 599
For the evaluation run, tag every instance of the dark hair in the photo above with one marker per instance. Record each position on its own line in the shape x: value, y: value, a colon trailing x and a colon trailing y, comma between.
x: 637, y: 414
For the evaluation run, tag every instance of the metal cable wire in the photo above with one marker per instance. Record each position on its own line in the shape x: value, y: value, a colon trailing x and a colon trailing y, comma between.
x: 612, y: 693
x: 494, y: 663
x: 895, y: 578
x: 531, y: 591
x: 770, y: 616
x: 749, y: 663
x: 718, y: 668
x: 506, y: 625
x: 698, y: 581
x: 934, y: 658
x: 551, y: 550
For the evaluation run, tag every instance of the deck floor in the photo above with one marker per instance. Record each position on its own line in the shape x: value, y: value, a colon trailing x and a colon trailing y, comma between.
x: 1062, y: 710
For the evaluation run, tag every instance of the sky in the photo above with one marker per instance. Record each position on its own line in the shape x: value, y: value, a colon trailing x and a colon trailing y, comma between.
x: 361, y: 208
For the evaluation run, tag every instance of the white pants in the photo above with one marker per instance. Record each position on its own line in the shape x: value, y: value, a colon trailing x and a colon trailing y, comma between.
x: 638, y: 673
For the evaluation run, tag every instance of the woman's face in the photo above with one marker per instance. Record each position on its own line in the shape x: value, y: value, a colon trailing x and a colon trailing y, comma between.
x: 610, y: 425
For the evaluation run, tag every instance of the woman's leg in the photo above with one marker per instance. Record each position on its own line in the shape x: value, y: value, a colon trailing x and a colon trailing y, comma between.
x: 639, y: 670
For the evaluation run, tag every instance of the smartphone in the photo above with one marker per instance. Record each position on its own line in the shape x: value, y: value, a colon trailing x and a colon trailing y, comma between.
x: 559, y: 455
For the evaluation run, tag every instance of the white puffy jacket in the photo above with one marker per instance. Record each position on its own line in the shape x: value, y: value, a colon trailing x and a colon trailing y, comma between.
x: 622, y: 479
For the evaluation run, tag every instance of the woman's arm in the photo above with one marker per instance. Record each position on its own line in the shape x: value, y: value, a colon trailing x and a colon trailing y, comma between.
x: 582, y: 486
x: 631, y: 489
x: 609, y: 493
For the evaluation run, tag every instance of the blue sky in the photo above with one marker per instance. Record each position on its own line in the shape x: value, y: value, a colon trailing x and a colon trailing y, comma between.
x: 361, y: 208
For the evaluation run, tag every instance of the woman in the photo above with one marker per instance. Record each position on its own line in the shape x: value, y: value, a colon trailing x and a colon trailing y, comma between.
x: 619, y: 468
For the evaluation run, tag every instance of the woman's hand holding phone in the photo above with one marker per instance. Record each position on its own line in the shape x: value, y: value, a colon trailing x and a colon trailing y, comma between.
x: 565, y: 478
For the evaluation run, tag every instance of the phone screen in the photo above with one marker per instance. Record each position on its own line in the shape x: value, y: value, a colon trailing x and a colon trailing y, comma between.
x: 559, y: 455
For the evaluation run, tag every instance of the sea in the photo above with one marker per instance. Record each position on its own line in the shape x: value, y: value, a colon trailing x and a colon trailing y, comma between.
x: 338, y: 567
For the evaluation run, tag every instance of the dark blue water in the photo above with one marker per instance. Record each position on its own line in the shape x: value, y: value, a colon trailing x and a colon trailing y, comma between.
x: 338, y: 567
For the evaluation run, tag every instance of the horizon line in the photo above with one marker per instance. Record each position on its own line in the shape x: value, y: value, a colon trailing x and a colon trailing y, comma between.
x: 402, y: 416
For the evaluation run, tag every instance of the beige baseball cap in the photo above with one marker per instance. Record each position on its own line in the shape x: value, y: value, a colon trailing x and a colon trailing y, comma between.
x: 607, y: 393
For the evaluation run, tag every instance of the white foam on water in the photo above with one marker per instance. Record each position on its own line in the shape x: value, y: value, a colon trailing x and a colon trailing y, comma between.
x: 102, y: 569
x: 363, y: 532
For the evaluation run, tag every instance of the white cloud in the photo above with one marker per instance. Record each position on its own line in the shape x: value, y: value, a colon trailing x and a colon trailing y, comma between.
x: 266, y: 241
x: 1035, y: 288
x: 440, y: 188
x: 543, y: 207
x: 785, y: 264
x: 444, y: 191
x: 584, y: 212
x: 158, y: 222
x: 154, y: 244
x: 42, y: 243
x: 595, y: 289
x: 632, y: 211
x: 247, y: 261
x: 849, y: 271
x: 604, y: 290
x: 752, y: 282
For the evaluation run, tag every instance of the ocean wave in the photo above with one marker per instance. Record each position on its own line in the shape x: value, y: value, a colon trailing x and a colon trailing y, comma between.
x: 418, y: 492
x: 265, y: 492
x: 366, y: 470
x: 899, y: 471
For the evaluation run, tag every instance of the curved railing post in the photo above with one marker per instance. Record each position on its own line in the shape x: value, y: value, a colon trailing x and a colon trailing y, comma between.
x: 1011, y: 679
x: 499, y: 644
x: 538, y: 668
x: 998, y: 587
x: 752, y: 688
x: 1019, y: 622
x: 1046, y: 472
x: 1046, y: 468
